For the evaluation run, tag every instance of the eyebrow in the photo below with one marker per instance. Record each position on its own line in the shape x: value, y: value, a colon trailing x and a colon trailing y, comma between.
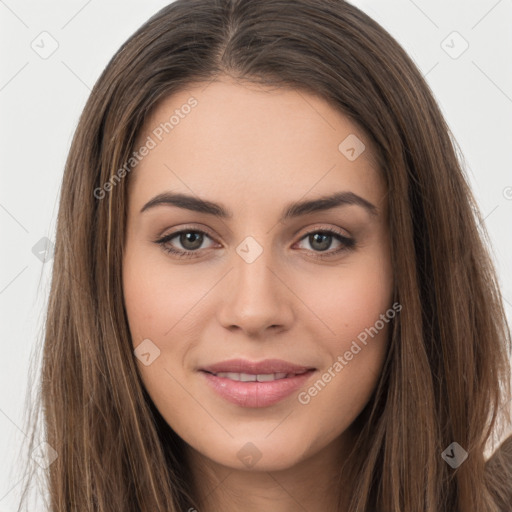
x: 292, y: 210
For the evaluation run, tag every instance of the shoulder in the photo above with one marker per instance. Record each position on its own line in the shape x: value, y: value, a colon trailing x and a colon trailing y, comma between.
x: 499, y: 475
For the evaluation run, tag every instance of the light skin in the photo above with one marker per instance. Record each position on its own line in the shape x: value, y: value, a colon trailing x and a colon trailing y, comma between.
x: 254, y: 151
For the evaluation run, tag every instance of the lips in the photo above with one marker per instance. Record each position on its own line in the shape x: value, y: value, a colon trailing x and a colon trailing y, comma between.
x: 256, y: 384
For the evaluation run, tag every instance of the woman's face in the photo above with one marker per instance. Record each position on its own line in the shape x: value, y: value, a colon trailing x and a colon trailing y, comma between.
x: 264, y: 343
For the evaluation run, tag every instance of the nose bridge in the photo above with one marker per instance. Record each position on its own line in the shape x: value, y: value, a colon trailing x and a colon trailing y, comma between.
x: 256, y: 298
x: 252, y: 271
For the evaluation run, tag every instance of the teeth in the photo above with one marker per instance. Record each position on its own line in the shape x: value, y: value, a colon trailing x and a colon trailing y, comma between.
x: 270, y: 376
x: 247, y: 377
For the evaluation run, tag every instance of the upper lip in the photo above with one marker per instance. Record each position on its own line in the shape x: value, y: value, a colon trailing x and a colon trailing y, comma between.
x: 266, y: 366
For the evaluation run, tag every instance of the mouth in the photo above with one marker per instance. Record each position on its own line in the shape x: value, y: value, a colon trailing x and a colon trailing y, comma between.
x: 256, y: 384
x: 251, y: 377
x: 265, y: 367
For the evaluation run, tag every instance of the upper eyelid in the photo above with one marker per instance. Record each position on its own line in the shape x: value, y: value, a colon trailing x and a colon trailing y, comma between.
x: 185, y: 230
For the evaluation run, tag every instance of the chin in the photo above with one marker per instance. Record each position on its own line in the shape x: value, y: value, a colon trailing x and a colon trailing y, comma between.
x: 256, y: 454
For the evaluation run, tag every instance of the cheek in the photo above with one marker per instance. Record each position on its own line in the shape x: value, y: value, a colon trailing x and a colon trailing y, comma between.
x: 358, y: 307
x: 157, y: 301
x: 163, y: 305
x: 158, y: 296
x: 352, y: 298
x: 356, y: 354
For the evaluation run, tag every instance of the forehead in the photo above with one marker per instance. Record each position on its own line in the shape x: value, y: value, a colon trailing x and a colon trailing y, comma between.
x: 257, y: 141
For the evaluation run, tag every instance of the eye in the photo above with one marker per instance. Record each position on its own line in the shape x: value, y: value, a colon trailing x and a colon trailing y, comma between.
x: 191, y: 241
x: 321, y: 240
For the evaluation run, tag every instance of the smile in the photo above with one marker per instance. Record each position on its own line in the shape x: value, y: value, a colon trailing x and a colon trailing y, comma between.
x: 261, y: 377
x: 260, y: 385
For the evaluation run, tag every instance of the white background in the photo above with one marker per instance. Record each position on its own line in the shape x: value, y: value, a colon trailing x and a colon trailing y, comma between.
x: 41, y: 100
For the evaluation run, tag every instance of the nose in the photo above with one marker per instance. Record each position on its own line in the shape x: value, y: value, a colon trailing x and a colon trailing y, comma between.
x: 257, y: 298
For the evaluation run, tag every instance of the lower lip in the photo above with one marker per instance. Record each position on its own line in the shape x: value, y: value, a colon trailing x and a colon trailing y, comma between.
x: 256, y: 394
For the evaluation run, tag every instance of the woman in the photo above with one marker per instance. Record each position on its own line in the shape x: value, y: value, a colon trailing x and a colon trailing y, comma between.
x: 202, y: 352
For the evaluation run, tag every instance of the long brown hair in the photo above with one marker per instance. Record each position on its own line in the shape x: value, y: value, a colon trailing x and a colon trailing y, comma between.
x: 446, y: 377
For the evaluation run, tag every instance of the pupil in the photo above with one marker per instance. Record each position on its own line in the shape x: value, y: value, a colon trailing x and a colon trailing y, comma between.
x: 191, y: 237
x: 323, y: 246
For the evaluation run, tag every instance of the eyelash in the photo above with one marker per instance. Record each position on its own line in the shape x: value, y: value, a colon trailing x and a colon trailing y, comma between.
x: 348, y: 244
